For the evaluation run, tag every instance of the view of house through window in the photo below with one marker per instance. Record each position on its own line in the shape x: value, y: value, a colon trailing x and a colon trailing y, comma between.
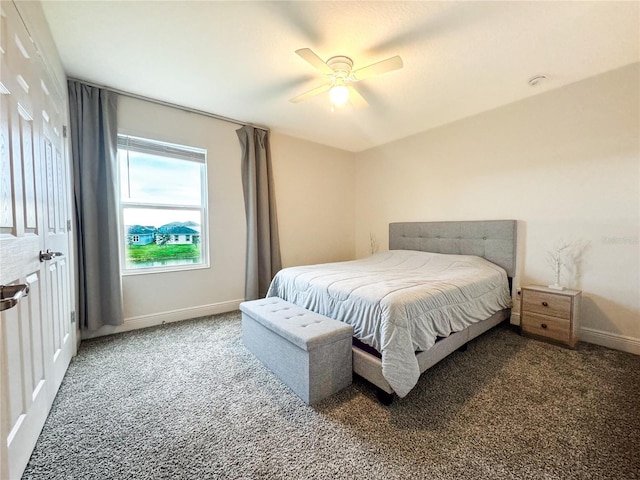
x: 163, y: 205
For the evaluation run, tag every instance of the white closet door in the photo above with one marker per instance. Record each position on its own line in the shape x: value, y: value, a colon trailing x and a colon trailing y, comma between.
x: 37, y: 338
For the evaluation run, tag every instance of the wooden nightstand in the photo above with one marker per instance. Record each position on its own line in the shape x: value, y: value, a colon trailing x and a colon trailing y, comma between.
x: 549, y: 314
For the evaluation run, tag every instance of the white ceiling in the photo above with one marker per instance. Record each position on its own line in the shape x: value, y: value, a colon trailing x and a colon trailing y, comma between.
x: 237, y: 59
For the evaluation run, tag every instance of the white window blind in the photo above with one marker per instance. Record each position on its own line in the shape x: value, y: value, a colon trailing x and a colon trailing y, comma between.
x: 154, y: 147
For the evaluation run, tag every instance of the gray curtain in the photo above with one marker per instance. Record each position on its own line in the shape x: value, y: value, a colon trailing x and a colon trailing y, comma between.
x: 94, y: 134
x: 263, y: 246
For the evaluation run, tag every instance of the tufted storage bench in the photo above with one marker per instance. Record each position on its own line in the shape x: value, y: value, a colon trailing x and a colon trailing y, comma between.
x: 309, y: 352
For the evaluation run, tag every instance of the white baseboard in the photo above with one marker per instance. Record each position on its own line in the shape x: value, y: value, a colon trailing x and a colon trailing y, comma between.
x: 144, y: 321
x: 610, y: 340
x: 598, y: 337
x: 589, y: 335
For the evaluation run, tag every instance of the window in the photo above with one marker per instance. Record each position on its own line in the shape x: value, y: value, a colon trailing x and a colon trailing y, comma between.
x: 163, y: 198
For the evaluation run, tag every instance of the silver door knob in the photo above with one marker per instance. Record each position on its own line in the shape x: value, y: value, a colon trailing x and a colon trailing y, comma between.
x: 10, y: 295
x: 48, y: 255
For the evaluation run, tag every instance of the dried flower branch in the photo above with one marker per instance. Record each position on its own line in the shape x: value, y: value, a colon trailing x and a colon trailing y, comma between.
x: 557, y: 258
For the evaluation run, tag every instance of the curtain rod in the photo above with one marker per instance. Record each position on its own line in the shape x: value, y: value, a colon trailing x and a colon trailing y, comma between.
x: 168, y: 104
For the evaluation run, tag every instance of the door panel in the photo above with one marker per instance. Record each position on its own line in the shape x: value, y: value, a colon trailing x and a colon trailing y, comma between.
x: 28, y: 175
x: 6, y: 190
x: 37, y: 338
x: 27, y: 405
x: 56, y: 234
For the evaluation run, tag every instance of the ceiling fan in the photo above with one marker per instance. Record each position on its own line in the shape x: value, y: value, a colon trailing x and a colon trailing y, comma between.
x: 340, y: 77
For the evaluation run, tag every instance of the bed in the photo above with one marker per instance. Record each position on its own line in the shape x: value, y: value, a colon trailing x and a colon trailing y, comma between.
x: 440, y: 285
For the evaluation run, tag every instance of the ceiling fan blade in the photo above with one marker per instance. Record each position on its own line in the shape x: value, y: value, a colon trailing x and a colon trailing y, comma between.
x: 311, y: 93
x: 384, y: 66
x: 314, y: 60
x: 356, y: 99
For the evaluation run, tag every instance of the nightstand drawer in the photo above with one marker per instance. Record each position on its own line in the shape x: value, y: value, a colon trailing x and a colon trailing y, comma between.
x: 545, y: 304
x: 550, y: 327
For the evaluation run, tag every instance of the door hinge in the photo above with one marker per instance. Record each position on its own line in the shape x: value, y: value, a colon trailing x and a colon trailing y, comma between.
x: 68, y: 225
x: 64, y: 131
x: 73, y: 317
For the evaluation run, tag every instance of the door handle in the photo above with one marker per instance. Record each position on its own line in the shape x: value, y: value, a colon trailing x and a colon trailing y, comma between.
x: 10, y: 295
x: 49, y: 255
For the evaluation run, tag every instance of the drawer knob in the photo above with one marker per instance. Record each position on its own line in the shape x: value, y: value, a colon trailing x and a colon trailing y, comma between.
x: 543, y: 325
x: 545, y: 304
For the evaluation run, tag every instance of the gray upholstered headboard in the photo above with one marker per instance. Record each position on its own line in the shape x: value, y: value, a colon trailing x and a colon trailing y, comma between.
x: 494, y: 240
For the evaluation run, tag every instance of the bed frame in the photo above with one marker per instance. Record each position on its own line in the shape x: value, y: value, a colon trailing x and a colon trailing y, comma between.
x: 494, y: 240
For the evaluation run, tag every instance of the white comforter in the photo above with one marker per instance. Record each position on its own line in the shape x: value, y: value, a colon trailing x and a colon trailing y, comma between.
x: 399, y: 301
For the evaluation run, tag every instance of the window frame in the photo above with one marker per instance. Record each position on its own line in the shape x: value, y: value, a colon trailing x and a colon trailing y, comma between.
x: 173, y: 152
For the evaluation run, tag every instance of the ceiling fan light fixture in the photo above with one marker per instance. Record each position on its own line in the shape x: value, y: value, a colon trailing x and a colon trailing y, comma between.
x: 339, y: 95
x: 340, y: 77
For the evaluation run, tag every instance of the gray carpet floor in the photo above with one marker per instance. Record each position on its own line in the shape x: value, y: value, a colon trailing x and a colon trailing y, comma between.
x: 188, y: 401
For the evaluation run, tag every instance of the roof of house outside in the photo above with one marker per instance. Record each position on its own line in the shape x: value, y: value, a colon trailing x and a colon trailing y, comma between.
x: 140, y: 230
x: 177, y: 228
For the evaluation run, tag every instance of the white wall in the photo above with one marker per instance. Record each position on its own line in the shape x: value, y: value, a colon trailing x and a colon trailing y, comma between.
x: 565, y: 163
x: 316, y: 201
x: 154, y: 298
x: 312, y: 183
